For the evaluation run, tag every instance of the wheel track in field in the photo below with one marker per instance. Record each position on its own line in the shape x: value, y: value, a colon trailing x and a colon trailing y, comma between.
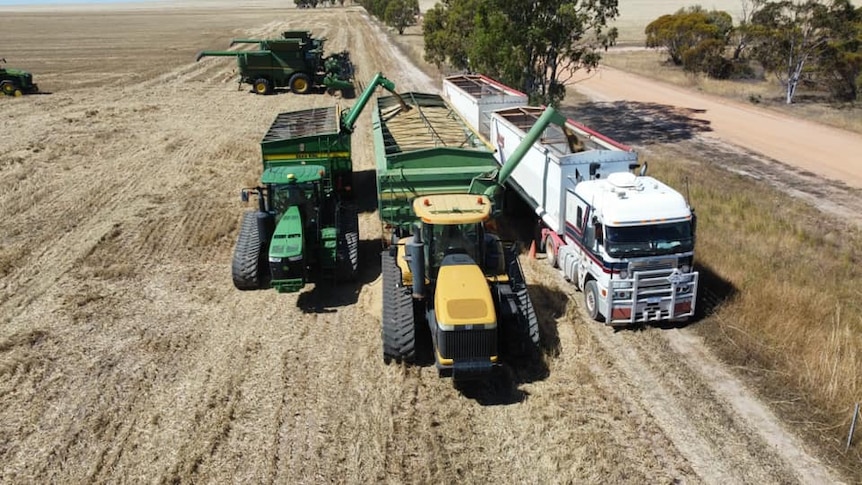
x: 723, y: 432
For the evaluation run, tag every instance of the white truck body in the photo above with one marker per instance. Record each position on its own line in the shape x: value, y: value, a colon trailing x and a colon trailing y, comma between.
x: 627, y: 241
x: 475, y: 97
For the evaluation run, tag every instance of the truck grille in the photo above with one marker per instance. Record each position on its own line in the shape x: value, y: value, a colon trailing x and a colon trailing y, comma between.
x: 467, y: 344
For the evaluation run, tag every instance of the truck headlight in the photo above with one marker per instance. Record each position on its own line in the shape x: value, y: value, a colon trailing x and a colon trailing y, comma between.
x: 624, y: 274
x: 685, y: 268
x: 274, y: 260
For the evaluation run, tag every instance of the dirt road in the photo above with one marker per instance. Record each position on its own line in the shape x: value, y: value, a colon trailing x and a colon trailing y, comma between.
x: 127, y: 355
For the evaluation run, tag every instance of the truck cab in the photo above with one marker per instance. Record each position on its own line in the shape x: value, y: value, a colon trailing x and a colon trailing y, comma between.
x: 630, y: 247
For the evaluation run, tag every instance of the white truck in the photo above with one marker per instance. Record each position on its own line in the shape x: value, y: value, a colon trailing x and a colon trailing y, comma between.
x: 626, y: 240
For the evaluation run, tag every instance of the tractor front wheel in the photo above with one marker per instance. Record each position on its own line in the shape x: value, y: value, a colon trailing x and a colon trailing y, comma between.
x: 262, y: 86
x: 299, y: 83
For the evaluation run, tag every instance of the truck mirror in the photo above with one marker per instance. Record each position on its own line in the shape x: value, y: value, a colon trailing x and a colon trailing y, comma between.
x: 243, y: 195
x: 643, y: 170
x: 594, y: 167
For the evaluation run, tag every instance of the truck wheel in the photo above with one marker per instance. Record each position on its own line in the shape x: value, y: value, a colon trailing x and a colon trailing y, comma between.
x: 18, y: 93
x: 591, y: 300
x: 8, y: 88
x: 262, y: 86
x: 399, y: 324
x: 299, y: 83
x: 247, y: 264
x: 551, y: 251
x: 348, y: 243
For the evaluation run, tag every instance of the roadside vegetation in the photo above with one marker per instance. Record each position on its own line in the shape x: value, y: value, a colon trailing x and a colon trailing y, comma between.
x: 789, y: 313
x: 787, y: 277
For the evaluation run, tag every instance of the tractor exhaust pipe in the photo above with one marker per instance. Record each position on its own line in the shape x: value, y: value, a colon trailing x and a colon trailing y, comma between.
x: 417, y: 262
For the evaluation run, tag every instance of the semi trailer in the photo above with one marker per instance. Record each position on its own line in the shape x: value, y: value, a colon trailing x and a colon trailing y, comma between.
x: 623, y: 238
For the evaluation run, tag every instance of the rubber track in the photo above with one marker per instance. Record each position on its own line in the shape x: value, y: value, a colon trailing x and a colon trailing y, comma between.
x: 348, y: 243
x: 528, y: 323
x: 399, y: 326
x: 247, y: 255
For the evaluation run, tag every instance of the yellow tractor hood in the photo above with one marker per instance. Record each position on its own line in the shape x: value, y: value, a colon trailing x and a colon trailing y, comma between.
x: 462, y: 297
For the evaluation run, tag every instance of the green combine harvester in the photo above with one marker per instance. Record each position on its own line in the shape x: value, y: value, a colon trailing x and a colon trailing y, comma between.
x: 15, y: 82
x: 447, y: 272
x: 305, y: 228
x: 294, y: 61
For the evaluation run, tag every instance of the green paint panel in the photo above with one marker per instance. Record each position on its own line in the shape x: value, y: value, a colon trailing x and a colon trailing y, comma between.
x: 287, y: 240
x: 425, y: 150
x: 297, y: 174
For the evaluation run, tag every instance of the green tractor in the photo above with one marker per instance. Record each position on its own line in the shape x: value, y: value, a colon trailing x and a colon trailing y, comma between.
x: 294, y: 61
x: 15, y: 82
x: 306, y: 227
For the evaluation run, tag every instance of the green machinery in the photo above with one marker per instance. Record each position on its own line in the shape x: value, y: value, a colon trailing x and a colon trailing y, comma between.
x: 295, y: 61
x: 15, y: 82
x: 305, y: 228
x: 446, y: 270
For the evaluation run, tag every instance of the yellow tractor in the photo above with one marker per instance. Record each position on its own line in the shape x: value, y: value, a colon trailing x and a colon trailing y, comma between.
x: 470, y: 290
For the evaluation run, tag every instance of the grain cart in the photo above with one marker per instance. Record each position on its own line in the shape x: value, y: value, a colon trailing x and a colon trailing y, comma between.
x: 446, y: 271
x: 295, y: 61
x: 305, y: 228
x: 625, y: 239
x: 15, y: 82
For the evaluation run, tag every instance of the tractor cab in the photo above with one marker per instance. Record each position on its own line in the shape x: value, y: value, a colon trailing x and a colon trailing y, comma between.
x: 291, y: 191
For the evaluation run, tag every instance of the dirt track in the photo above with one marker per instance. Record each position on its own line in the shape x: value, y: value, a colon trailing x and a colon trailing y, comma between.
x: 126, y: 353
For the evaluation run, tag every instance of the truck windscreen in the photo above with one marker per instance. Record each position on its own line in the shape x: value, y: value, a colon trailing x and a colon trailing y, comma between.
x: 649, y: 240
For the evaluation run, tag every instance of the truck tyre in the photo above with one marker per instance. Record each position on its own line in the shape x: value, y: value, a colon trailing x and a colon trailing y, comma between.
x: 8, y: 88
x: 348, y: 243
x: 248, y: 267
x: 550, y: 251
x: 262, y: 86
x: 591, y: 300
x: 399, y: 324
x: 299, y: 83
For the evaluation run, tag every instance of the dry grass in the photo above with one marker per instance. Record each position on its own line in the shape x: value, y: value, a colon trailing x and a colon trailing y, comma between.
x: 794, y: 318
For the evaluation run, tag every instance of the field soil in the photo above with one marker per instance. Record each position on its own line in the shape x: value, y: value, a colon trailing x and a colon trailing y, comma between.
x: 126, y: 354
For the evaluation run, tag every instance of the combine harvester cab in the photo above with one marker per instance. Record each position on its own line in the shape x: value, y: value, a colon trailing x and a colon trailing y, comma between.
x: 626, y: 240
x: 306, y: 228
x: 15, y: 82
x: 446, y: 270
x: 295, y: 61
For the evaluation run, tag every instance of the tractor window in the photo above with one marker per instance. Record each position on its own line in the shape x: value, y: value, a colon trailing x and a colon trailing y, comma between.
x: 453, y: 238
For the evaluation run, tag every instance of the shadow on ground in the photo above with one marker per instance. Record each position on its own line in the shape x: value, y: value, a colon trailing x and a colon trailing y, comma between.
x: 325, y: 296
x: 635, y: 123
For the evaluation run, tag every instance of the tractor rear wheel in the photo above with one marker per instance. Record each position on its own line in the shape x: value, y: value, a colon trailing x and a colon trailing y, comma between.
x: 399, y: 323
x: 248, y: 267
x: 262, y: 86
x: 348, y: 243
x: 8, y: 88
x: 299, y: 83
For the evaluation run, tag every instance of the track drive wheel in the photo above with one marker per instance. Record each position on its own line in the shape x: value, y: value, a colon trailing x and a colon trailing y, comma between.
x: 262, y: 86
x: 348, y: 243
x: 299, y: 83
x: 399, y: 325
x: 248, y: 266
